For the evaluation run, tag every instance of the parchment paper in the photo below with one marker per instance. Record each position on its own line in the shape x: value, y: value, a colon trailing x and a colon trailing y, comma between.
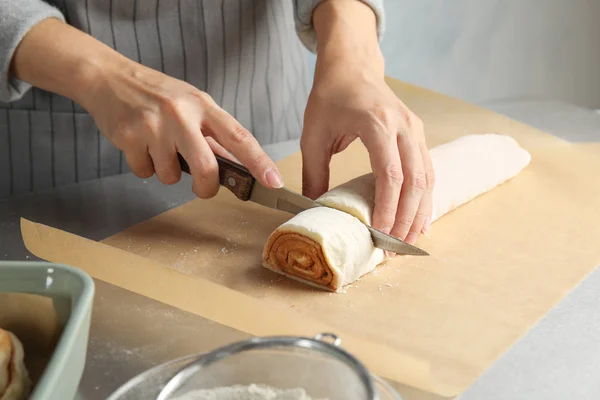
x: 498, y: 264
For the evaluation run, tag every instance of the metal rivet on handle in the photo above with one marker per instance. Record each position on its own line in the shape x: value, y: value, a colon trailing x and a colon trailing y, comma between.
x: 231, y: 182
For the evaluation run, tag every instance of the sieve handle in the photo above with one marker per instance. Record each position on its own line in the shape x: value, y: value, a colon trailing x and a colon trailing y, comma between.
x: 333, y: 338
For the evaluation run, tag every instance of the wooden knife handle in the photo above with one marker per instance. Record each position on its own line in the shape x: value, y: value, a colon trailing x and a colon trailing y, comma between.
x: 232, y: 175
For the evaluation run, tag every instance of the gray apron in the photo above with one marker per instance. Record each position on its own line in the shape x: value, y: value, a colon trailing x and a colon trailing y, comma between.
x: 244, y: 53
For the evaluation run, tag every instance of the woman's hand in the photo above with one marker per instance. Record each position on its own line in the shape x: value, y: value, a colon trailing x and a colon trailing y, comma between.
x: 343, y: 107
x: 351, y: 100
x: 148, y: 115
x: 151, y: 116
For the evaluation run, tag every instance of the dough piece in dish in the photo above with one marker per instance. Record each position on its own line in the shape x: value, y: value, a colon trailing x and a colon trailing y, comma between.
x: 14, y: 378
x: 328, y: 248
x: 5, y: 353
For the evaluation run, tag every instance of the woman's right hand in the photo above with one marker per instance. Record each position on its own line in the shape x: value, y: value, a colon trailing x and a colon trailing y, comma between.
x: 151, y: 116
x: 145, y: 113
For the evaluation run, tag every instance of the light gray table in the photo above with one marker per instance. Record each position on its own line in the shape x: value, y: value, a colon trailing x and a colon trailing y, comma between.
x: 558, y: 359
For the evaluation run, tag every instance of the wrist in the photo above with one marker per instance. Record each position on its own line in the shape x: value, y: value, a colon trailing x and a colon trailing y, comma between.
x: 347, y: 37
x: 92, y: 74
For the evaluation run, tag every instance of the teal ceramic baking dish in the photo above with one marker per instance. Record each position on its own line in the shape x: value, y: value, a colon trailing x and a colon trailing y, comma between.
x: 50, y: 305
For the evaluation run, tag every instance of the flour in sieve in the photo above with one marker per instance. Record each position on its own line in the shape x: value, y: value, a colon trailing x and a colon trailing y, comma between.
x: 251, y: 392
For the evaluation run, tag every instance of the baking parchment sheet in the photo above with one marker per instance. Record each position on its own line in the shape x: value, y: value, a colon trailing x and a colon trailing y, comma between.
x: 497, y: 264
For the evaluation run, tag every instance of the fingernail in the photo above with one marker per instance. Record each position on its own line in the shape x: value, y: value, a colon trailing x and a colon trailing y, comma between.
x: 412, y: 237
x: 273, y: 178
x: 426, y: 226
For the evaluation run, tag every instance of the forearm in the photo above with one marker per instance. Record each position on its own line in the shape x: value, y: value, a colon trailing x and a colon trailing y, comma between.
x: 59, y: 58
x: 347, y: 36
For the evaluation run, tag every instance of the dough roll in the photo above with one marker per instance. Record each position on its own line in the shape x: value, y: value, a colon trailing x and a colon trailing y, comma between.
x: 329, y: 249
x: 14, y: 378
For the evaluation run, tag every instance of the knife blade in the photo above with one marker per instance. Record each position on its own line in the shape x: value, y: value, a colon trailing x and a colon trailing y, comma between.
x: 242, y: 184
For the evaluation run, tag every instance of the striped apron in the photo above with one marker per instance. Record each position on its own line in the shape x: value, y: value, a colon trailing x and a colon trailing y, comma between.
x: 244, y: 53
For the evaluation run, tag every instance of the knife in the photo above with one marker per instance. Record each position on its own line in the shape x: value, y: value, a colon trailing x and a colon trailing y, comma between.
x: 245, y: 187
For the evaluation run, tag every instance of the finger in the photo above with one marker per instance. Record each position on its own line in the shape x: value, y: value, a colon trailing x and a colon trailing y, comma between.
x: 422, y: 222
x: 385, y: 162
x: 234, y: 137
x: 220, y: 150
x: 166, y: 164
x: 427, y: 200
x: 315, y: 169
x: 413, y: 187
x: 203, y: 165
x: 135, y: 151
x: 139, y: 162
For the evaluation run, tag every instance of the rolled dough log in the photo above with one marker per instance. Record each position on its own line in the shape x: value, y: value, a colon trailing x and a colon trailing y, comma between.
x: 328, y: 248
x: 14, y: 378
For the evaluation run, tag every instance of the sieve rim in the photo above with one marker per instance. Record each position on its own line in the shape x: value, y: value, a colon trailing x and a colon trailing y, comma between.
x: 315, y: 343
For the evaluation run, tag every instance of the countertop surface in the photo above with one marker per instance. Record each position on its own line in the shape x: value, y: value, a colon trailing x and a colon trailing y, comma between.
x: 558, y: 359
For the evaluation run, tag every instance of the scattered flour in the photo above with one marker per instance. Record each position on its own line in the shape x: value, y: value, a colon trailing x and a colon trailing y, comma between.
x: 251, y: 392
x: 229, y: 248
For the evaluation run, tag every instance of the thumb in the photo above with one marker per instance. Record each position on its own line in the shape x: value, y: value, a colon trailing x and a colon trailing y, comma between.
x: 315, y: 170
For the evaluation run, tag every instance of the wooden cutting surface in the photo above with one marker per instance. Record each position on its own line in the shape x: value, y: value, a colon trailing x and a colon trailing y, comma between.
x: 497, y: 264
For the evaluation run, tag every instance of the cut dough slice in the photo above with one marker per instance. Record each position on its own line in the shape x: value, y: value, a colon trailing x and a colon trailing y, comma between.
x: 324, y: 247
x: 330, y: 249
x: 14, y: 378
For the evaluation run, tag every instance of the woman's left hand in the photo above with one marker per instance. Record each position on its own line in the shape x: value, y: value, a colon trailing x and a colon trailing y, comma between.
x: 347, y: 103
